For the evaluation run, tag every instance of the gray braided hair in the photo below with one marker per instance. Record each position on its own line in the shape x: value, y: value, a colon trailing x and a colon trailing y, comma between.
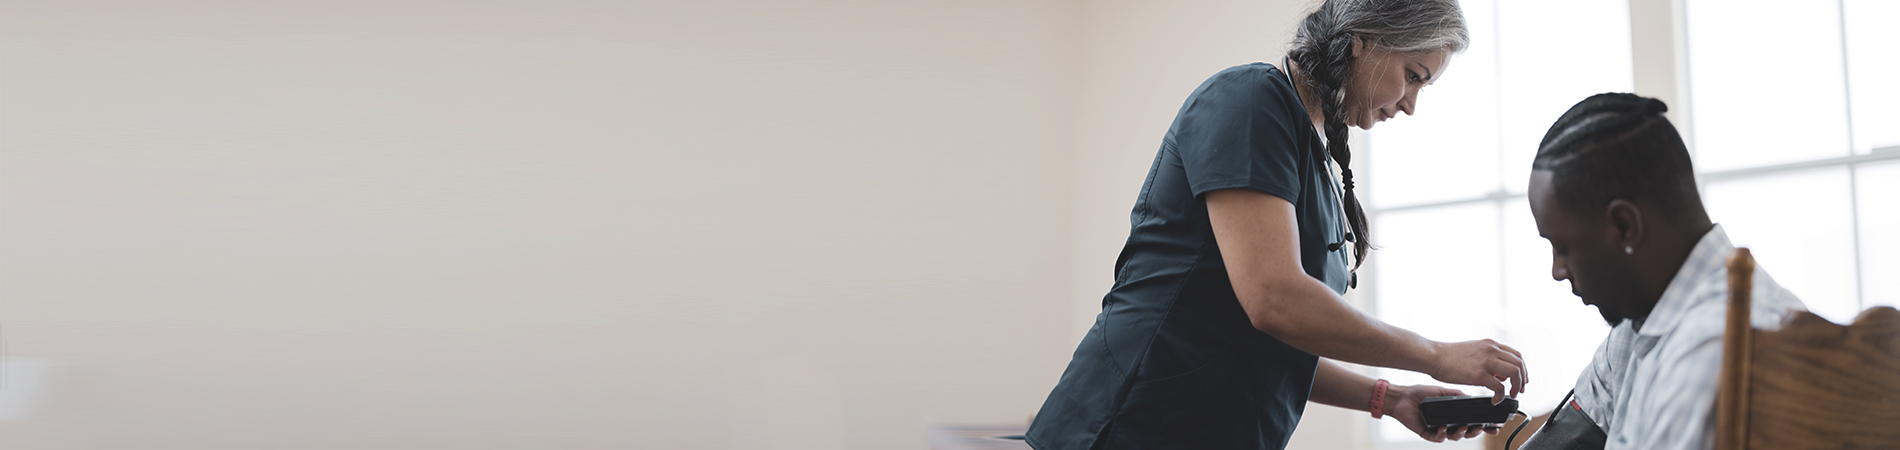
x: 1323, y: 49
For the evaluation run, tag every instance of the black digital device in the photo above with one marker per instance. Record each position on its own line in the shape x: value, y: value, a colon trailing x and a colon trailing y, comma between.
x: 1466, y: 410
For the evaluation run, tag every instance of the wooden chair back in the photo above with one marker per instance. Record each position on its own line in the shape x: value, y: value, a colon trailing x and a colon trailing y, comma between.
x: 1812, y: 384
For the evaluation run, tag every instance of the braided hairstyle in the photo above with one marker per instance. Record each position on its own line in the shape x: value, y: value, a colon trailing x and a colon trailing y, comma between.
x: 1322, y: 47
x: 1617, y: 145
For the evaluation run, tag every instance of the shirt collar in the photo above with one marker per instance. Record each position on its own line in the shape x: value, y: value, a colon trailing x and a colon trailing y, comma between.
x: 1708, y: 259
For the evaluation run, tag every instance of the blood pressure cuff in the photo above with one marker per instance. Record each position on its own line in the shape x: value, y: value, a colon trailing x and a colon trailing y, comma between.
x: 1567, y: 429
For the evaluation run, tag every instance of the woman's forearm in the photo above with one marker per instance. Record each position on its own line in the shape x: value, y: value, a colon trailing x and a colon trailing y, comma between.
x: 1259, y: 242
x: 1334, y: 385
x: 1306, y: 314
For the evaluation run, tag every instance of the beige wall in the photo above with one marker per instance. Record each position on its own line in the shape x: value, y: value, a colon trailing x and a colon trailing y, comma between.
x: 560, y: 224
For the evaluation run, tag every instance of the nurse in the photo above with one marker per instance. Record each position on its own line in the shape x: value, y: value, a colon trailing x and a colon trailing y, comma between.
x: 1226, y: 316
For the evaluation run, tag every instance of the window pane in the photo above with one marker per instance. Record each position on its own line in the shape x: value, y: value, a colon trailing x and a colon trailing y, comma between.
x: 1450, y: 149
x: 1798, y: 228
x: 1766, y: 82
x: 1871, y: 65
x: 1539, y: 84
x: 1557, y: 333
x: 1437, y: 276
x: 1880, y: 233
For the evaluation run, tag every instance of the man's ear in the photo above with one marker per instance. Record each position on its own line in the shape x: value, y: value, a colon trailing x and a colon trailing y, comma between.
x: 1628, y: 221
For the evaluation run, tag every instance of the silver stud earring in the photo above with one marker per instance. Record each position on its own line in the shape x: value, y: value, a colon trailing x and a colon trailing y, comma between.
x: 1628, y: 250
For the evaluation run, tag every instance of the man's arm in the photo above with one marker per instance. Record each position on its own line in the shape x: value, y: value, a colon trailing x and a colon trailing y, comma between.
x: 1259, y: 241
x: 1673, y: 405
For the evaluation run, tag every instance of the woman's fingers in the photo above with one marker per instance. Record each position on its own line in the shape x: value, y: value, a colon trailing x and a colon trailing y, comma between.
x: 1509, y: 349
x: 1523, y: 368
x: 1498, y: 373
x: 1513, y: 370
x: 1497, y: 389
x: 1489, y: 364
x: 1517, y: 372
x: 1456, y: 433
x: 1521, y: 365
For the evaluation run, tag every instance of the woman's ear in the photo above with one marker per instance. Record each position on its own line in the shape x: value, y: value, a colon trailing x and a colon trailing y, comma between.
x: 1628, y: 221
x: 1358, y: 46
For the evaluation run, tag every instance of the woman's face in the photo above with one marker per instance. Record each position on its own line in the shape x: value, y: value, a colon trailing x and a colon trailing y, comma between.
x: 1386, y: 83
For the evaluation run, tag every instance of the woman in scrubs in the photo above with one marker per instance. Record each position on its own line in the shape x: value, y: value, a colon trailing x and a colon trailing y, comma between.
x: 1226, y: 311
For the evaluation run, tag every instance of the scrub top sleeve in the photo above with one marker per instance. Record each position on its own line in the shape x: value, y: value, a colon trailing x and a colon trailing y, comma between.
x: 1239, y: 132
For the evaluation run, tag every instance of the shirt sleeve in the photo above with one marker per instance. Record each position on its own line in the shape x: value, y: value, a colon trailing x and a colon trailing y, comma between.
x: 1678, y: 410
x: 1597, y: 385
x: 1238, y: 131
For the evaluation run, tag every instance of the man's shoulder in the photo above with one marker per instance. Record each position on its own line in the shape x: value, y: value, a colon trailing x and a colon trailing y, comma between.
x: 1706, y: 320
x: 1771, y: 303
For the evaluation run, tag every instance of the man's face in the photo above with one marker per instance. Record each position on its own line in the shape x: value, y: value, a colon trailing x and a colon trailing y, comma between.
x: 1584, y: 251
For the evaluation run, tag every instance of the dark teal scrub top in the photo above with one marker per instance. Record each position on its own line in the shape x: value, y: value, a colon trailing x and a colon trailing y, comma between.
x: 1172, y: 361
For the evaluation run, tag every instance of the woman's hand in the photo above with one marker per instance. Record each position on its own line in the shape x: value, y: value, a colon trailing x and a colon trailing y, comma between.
x: 1404, y: 401
x: 1483, y: 362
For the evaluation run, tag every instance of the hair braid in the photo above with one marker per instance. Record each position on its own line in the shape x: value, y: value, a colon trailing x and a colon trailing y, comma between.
x: 1322, y: 46
x: 1326, y: 74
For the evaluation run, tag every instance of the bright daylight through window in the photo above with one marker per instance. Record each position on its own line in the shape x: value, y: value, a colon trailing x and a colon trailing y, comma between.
x: 1791, y: 165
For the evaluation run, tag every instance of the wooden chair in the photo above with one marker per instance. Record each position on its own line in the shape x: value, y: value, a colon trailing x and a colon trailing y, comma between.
x: 1812, y: 384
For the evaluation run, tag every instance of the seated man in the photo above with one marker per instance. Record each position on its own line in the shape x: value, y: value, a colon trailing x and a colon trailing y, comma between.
x: 1613, y: 191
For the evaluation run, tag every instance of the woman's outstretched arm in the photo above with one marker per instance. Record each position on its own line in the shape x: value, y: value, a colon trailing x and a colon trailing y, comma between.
x: 1259, y: 241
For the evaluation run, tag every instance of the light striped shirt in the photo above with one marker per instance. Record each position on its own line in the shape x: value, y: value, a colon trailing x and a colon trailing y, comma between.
x: 1596, y: 388
x: 1655, y: 388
